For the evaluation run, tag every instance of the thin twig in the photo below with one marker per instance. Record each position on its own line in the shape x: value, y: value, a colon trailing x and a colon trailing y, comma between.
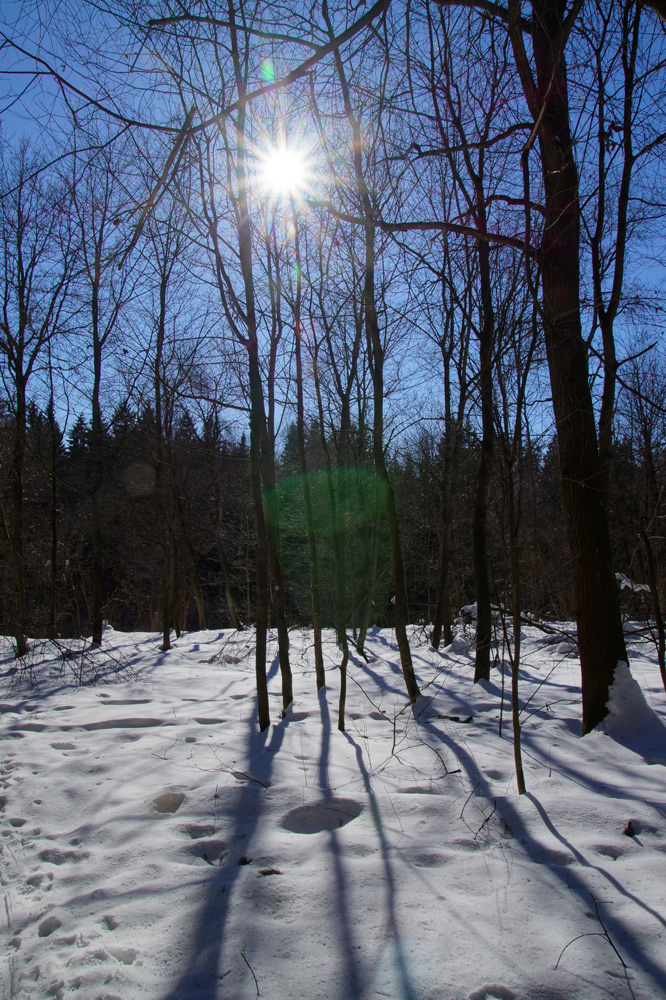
x: 603, y: 933
x: 606, y: 934
x: 251, y: 970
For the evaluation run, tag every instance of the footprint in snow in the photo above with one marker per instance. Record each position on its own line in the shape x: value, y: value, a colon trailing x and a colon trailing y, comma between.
x: 432, y: 860
x: 56, y: 857
x: 197, y: 832
x: 134, y: 723
x: 48, y: 926
x: 327, y: 814
x: 126, y: 956
x: 129, y: 701
x: 35, y: 881
x: 494, y: 991
x: 211, y: 852
x: 609, y: 851
x: 168, y: 802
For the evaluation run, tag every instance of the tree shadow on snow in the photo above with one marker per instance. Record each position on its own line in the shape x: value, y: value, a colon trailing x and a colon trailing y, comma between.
x: 392, y: 936
x: 619, y: 930
x: 354, y: 973
x: 202, y: 978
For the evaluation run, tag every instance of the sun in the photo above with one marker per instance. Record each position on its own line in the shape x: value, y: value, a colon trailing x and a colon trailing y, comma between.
x: 283, y: 171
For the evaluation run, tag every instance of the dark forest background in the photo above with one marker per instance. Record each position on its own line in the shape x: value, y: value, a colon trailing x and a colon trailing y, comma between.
x: 207, y: 510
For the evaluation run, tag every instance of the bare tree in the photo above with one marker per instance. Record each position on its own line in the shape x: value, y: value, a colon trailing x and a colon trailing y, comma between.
x: 376, y: 354
x: 37, y: 260
x: 104, y: 291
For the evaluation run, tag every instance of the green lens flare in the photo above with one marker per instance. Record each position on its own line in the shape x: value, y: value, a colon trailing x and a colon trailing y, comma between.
x: 355, y: 515
x: 267, y: 71
x: 358, y: 497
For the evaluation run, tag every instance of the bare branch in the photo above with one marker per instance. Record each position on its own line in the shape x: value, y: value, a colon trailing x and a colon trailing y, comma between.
x: 425, y: 227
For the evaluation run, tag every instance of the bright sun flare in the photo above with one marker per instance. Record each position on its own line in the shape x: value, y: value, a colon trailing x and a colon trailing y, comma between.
x: 283, y: 171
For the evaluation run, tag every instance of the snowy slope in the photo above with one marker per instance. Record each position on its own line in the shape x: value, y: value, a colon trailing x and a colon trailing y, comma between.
x: 154, y: 845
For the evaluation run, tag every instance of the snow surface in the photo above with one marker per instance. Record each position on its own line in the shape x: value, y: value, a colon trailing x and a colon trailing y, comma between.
x: 154, y: 845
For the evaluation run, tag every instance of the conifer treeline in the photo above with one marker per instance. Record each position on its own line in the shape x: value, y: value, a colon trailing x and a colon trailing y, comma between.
x: 208, y: 520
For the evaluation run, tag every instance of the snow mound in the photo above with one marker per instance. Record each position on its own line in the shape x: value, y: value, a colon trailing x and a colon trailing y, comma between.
x: 630, y: 720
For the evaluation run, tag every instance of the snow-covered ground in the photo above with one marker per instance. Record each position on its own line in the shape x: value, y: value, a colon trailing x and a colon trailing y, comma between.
x: 154, y: 845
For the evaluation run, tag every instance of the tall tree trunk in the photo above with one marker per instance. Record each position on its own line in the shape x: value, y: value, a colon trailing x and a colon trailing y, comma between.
x: 174, y: 584
x: 261, y: 621
x: 17, y: 530
x: 212, y: 450
x: 55, y: 443
x: 515, y: 611
x: 484, y: 476
x: 656, y: 604
x: 338, y: 555
x: 302, y: 464
x: 376, y: 358
x: 600, y: 637
x: 97, y: 459
x: 162, y: 512
x: 226, y: 573
x: 368, y: 610
x: 162, y: 502
x: 607, y: 310
x: 442, y: 618
x: 260, y: 452
x: 377, y: 371
x: 193, y: 569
